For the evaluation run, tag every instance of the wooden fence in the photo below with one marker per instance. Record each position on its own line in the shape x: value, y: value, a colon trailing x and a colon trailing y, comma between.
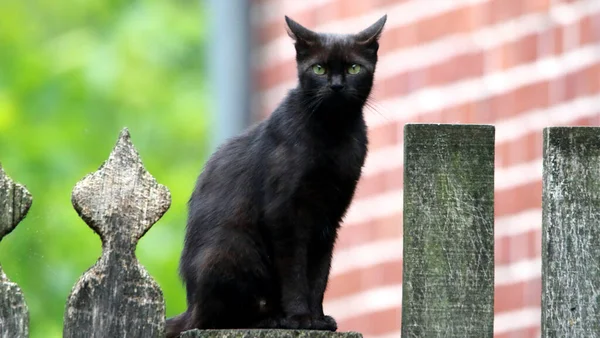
x: 448, y: 273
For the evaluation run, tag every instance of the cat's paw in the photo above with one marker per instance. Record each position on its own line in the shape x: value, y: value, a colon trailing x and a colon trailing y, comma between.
x: 294, y: 322
x: 324, y: 323
x: 268, y: 323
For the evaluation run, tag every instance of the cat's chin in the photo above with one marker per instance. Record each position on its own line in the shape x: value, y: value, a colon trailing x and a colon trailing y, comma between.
x: 342, y: 101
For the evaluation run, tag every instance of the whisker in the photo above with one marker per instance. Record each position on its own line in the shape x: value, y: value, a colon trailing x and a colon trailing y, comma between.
x: 369, y: 103
x: 374, y: 107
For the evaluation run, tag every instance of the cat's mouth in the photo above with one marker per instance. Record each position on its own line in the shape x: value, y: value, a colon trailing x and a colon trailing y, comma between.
x: 337, y: 94
x: 342, y: 96
x: 340, y: 100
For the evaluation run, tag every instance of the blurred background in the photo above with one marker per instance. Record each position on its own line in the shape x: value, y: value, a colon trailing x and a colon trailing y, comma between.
x: 185, y: 75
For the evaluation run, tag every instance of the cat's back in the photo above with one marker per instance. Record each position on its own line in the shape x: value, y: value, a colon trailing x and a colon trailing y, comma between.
x: 234, y: 161
x: 228, y: 184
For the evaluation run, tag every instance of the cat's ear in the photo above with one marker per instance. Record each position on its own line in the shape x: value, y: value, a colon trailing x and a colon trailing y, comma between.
x: 370, y: 36
x: 299, y: 33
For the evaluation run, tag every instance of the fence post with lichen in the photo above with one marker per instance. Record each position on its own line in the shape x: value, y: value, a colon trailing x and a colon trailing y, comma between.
x: 571, y: 233
x: 15, y: 202
x: 448, y: 273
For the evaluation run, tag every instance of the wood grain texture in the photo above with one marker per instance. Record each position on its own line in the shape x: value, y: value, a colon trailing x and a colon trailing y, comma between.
x: 571, y: 233
x: 448, y: 274
x: 117, y: 297
x: 15, y: 202
x: 267, y: 334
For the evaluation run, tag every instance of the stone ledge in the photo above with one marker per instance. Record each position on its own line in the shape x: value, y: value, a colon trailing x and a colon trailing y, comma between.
x: 267, y: 334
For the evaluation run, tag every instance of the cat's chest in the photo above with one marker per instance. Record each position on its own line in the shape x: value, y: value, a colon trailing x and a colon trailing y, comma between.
x: 316, y: 172
x: 327, y: 186
x: 346, y: 162
x: 335, y: 165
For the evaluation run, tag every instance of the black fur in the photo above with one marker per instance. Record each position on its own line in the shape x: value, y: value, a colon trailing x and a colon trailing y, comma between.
x: 264, y: 215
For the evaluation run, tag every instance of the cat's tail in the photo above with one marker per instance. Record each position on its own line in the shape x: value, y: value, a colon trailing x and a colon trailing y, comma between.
x: 176, y: 325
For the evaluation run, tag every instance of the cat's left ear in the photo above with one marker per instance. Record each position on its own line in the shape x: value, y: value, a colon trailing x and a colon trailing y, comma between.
x: 370, y: 36
x: 299, y: 33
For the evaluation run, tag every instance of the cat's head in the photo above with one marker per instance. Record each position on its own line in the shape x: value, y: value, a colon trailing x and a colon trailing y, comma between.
x: 336, y: 67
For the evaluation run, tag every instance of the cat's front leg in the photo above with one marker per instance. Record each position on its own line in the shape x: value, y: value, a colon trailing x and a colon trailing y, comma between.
x: 290, y: 258
x: 319, y: 265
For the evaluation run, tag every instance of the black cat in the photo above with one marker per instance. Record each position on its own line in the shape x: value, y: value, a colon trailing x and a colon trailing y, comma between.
x: 264, y: 215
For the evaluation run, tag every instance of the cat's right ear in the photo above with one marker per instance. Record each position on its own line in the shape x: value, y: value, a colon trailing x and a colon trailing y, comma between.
x: 299, y: 33
x: 370, y: 36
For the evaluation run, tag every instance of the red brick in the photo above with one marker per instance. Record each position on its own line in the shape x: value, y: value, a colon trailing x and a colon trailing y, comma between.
x: 583, y: 83
x: 433, y: 28
x: 399, y: 38
x: 387, y: 180
x: 381, y: 3
x: 276, y: 28
x: 536, y: 5
x: 396, y: 85
x: 354, y: 8
x: 536, y: 95
x: 504, y: 10
x: 593, y: 78
x: 531, y: 144
x: 556, y: 91
x: 571, y: 37
x: 558, y: 39
x: 530, y: 332
x: 383, y: 135
x: 549, y: 42
x: 451, y: 70
x: 517, y: 152
x: 594, y: 28
x: 495, y: 59
x: 457, y: 68
x: 272, y: 76
x: 586, y: 30
x: 511, y: 249
x: 350, y: 236
x: 523, y: 197
x: 372, y: 324
x: 533, y: 96
x: 478, y: 17
x: 534, y: 144
x: 525, y: 50
x: 383, y: 228
x: 460, y: 20
x: 384, y: 274
x: 517, y: 296
x: 457, y: 114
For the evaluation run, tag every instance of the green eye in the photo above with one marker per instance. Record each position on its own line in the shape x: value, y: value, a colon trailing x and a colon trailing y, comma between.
x: 354, y: 69
x: 318, y: 69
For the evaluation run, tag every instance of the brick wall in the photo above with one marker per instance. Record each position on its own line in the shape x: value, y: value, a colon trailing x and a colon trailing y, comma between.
x: 518, y: 64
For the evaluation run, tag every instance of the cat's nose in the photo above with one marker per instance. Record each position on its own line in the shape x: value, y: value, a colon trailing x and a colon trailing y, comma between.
x: 336, y: 87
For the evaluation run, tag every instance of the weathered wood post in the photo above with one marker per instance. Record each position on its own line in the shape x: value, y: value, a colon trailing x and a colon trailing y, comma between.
x: 571, y: 233
x: 15, y: 202
x: 117, y: 297
x: 448, y: 274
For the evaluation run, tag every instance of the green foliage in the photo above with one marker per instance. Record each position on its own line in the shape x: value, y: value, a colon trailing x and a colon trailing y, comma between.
x: 72, y: 75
